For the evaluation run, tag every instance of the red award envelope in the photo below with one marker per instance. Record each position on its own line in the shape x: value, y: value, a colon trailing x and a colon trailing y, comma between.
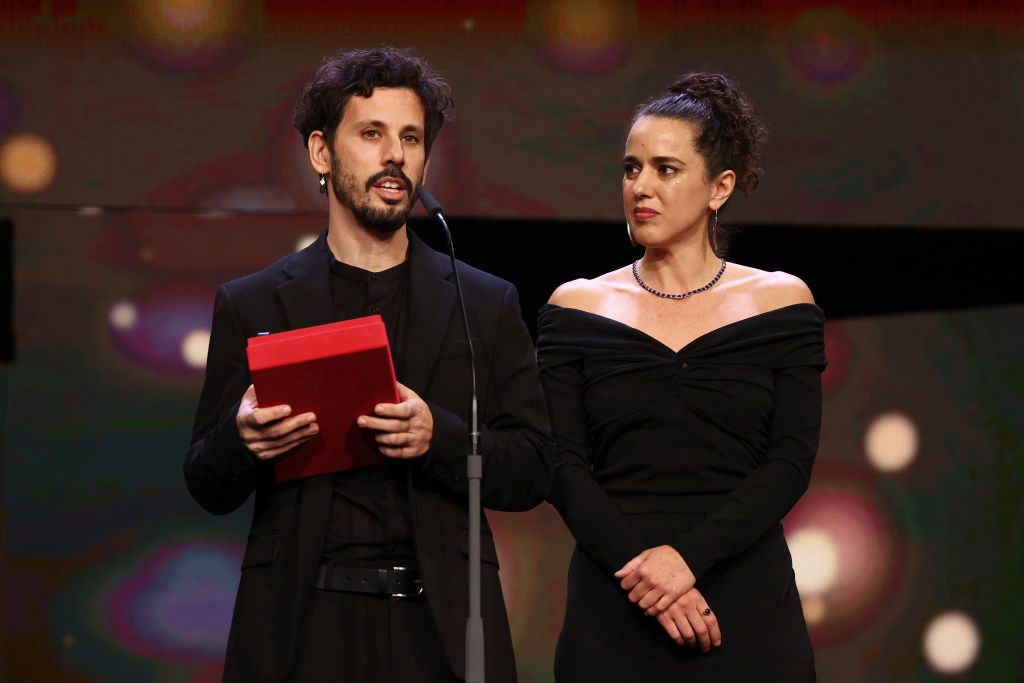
x: 338, y: 371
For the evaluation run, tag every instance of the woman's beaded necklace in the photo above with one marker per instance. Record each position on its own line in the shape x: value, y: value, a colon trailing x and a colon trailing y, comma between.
x: 655, y: 292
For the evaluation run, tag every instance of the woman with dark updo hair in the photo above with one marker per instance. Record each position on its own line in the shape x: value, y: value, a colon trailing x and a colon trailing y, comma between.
x: 685, y: 395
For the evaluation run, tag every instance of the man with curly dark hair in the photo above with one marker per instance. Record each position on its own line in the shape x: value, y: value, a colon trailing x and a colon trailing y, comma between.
x: 361, y: 575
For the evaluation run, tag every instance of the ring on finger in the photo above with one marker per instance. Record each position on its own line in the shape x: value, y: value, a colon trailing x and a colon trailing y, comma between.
x: 707, y: 611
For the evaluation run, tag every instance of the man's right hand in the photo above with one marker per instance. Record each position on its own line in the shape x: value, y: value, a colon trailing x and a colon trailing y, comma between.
x: 269, y: 432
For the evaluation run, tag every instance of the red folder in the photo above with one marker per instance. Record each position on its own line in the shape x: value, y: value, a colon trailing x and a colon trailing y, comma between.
x: 338, y: 371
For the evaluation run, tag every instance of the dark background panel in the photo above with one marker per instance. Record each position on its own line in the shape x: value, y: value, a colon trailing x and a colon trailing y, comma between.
x: 852, y: 271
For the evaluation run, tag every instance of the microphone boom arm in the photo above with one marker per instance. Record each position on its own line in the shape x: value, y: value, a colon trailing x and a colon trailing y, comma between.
x: 474, y: 471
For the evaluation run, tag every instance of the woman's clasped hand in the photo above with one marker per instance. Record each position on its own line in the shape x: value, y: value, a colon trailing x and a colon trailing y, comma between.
x: 659, y: 581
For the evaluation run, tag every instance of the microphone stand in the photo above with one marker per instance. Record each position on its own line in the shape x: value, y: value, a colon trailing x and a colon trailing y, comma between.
x: 474, y: 473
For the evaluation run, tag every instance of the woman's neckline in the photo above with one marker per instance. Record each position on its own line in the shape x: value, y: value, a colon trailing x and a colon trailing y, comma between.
x: 693, y: 341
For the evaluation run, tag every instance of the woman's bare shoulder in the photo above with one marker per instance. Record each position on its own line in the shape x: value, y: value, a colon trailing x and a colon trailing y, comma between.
x: 773, y: 289
x: 586, y: 295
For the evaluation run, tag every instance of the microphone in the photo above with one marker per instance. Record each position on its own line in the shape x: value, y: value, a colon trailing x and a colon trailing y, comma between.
x: 431, y: 205
x: 474, y: 470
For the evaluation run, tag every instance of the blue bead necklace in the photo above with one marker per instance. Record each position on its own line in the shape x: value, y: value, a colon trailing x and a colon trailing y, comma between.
x: 655, y: 292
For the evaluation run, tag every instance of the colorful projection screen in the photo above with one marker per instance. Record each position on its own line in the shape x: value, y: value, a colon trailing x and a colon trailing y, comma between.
x: 147, y: 154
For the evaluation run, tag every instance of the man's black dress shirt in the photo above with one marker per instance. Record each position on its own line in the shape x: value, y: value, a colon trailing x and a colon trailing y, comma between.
x: 371, y: 522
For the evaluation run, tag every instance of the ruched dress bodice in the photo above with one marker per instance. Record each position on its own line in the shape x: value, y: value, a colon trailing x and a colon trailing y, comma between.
x: 705, y: 448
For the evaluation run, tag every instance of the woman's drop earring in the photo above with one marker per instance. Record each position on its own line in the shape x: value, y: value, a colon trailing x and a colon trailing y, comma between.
x: 714, y: 231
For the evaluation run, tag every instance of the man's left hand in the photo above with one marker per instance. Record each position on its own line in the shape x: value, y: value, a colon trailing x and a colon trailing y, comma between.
x: 404, y: 429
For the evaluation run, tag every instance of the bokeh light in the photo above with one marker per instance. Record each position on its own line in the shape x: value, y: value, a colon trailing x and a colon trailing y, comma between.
x: 585, y: 37
x: 304, y: 241
x: 827, y: 46
x: 168, y: 330
x: 951, y: 643
x: 123, y: 315
x: 848, y: 556
x: 194, y: 347
x: 891, y: 442
x: 815, y: 610
x: 185, y: 15
x: 815, y: 560
x: 828, y: 54
x: 186, y: 35
x: 28, y: 163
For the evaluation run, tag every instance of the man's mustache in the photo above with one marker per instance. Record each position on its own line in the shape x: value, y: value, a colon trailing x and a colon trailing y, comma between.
x: 389, y: 173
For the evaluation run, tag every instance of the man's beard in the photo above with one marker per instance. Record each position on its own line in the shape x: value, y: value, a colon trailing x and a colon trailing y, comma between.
x: 381, y: 221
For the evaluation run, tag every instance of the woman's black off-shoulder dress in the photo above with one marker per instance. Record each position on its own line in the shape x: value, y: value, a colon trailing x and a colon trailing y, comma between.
x: 704, y: 449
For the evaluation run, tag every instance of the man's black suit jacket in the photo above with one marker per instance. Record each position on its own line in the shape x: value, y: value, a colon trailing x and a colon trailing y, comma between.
x: 290, y: 518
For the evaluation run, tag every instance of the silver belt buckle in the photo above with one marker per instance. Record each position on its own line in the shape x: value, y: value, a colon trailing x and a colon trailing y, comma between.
x: 408, y: 595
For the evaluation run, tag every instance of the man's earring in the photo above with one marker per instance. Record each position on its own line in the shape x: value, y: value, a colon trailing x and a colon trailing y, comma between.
x: 629, y: 234
x: 323, y: 183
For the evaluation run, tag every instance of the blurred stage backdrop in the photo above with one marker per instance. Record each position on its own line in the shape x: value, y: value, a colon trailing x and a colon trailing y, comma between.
x: 146, y: 154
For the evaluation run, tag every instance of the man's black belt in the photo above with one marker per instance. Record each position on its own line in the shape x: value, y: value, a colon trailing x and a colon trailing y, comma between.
x: 398, y: 582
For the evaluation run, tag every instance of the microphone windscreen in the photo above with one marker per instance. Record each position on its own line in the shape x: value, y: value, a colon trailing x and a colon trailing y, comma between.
x: 429, y: 203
